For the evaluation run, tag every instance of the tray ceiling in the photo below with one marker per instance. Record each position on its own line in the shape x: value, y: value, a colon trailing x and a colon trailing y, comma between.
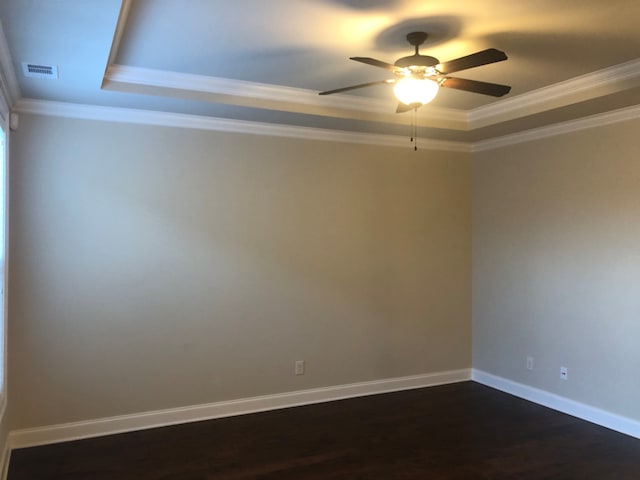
x: 266, y: 61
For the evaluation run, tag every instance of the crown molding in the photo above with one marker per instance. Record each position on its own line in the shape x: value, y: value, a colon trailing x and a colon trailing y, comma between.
x: 599, y: 120
x: 180, y: 120
x: 124, y: 74
x: 8, y: 82
x: 276, y: 97
x: 258, y: 95
x: 585, y: 87
x: 123, y: 16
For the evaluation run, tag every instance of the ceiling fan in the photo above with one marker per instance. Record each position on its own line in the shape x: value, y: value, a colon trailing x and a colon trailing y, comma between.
x: 418, y: 77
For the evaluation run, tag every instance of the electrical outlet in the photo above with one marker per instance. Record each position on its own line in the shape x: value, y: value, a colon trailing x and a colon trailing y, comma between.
x: 529, y: 363
x: 564, y: 373
x: 299, y: 367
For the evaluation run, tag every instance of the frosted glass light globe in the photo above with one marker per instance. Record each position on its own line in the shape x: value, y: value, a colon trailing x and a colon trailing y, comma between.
x: 415, y: 90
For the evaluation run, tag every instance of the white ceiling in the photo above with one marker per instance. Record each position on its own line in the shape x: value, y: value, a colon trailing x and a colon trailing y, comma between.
x: 266, y: 61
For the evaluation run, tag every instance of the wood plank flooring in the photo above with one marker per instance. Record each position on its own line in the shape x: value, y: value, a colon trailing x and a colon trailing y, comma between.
x: 464, y: 431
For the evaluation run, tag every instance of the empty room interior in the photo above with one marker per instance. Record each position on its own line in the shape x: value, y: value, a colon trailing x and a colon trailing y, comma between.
x: 220, y: 212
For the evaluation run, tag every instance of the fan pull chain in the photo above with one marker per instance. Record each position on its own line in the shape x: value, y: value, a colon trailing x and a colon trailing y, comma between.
x: 413, y: 120
x: 414, y: 130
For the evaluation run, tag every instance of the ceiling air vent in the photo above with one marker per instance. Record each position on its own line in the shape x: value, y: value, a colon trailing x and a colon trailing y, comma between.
x: 36, y: 70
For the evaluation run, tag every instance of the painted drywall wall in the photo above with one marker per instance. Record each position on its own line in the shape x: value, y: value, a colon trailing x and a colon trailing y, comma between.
x: 556, y: 265
x: 155, y: 267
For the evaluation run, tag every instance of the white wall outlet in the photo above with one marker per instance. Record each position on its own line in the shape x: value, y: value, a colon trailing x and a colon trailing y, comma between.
x: 299, y: 368
x: 564, y: 373
x: 529, y: 363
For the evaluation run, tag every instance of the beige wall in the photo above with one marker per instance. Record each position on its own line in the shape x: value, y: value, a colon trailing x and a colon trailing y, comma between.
x: 556, y: 265
x: 156, y: 267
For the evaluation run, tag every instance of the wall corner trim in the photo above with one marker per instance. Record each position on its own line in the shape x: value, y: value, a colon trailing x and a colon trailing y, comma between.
x: 126, y: 423
x: 591, y: 414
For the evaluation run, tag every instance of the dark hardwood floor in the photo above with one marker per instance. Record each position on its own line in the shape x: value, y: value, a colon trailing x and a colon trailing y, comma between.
x: 464, y: 431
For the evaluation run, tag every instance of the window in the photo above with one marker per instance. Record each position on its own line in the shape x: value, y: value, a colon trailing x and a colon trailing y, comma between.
x: 5, y: 117
x: 3, y: 262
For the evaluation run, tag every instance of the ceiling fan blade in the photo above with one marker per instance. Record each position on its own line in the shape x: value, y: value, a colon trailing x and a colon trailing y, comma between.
x: 360, y: 85
x: 475, y: 86
x: 376, y: 63
x: 477, y: 59
x: 403, y: 107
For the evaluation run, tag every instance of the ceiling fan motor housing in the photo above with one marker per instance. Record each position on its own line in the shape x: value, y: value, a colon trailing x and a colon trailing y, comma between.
x: 416, y: 61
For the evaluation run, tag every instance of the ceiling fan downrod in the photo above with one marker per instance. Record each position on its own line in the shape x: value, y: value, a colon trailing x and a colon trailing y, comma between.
x: 416, y: 39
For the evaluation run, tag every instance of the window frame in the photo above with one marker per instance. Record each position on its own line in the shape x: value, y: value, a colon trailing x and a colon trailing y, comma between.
x: 4, y: 250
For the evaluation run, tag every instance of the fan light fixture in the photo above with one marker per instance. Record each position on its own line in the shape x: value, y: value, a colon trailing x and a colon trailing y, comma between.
x: 412, y: 91
x: 419, y: 77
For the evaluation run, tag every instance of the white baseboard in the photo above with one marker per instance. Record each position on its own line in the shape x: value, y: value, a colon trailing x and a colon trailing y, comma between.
x: 126, y: 423
x: 595, y: 415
